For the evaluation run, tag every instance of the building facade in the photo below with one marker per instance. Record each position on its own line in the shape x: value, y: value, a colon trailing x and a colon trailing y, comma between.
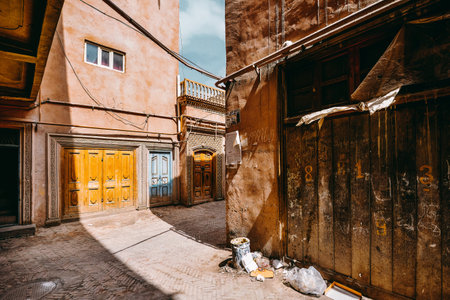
x: 202, y: 130
x: 101, y: 131
x: 344, y: 134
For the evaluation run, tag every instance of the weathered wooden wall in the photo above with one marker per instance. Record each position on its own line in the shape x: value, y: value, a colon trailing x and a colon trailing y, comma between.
x: 368, y: 197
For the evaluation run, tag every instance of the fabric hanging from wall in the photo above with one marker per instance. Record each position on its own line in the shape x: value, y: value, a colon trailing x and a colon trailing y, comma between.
x: 418, y: 54
x: 371, y: 106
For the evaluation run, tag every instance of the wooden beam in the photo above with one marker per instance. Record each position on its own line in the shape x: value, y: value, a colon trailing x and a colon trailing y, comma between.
x: 18, y: 56
x: 51, y: 17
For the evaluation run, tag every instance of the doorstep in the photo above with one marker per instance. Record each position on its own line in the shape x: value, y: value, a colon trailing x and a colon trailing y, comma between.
x: 17, y: 231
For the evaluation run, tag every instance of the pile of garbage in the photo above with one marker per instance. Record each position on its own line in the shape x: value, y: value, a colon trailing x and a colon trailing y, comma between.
x: 307, y: 281
x: 255, y: 264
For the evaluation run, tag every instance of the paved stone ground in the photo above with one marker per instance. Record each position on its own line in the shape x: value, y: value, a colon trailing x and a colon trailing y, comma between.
x: 131, y: 255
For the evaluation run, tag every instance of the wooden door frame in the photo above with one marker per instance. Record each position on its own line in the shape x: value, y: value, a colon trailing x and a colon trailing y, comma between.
x: 213, y: 174
x: 57, y: 141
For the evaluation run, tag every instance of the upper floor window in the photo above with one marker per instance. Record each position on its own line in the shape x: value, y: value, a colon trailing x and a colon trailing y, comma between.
x: 104, y: 57
x: 320, y: 82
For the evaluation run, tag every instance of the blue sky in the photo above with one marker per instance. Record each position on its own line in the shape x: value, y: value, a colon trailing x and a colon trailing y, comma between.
x: 202, y: 38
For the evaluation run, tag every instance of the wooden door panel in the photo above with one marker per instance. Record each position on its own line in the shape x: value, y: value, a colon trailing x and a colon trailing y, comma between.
x: 197, y: 181
x: 126, y: 178
x: 207, y: 184
x: 126, y: 164
x: 154, y: 170
x: 93, y: 163
x: 75, y: 165
x: 164, y: 191
x: 164, y: 177
x: 73, y: 193
x: 110, y: 184
x: 382, y: 189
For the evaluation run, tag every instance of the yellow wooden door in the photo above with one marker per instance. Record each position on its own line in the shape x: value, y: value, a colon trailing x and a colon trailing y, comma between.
x: 94, y: 180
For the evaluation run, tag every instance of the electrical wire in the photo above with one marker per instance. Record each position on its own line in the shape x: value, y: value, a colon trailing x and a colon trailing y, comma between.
x: 181, y: 50
x: 117, y: 117
x: 185, y: 61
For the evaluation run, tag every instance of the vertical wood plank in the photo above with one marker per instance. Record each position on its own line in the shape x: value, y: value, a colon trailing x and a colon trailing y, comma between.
x: 381, y: 201
x: 360, y: 196
x: 293, y: 181
x: 428, y: 276
x: 444, y: 124
x: 405, y: 220
x: 325, y: 179
x: 308, y: 196
x: 341, y: 196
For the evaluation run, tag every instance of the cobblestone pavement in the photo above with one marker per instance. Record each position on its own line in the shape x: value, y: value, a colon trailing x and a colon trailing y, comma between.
x: 130, y: 255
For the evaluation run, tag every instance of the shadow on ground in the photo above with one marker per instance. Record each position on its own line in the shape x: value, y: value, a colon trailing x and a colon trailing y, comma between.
x: 67, y: 262
x: 204, y: 222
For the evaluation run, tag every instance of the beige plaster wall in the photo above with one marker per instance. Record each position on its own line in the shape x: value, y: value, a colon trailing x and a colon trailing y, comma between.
x: 148, y: 84
x: 206, y: 114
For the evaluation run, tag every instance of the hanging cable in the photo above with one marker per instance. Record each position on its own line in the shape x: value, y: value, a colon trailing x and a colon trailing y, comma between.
x: 132, y: 28
x: 140, y: 126
x: 138, y: 28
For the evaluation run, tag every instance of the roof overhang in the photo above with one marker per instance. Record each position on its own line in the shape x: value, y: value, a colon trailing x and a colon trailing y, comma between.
x: 26, y: 34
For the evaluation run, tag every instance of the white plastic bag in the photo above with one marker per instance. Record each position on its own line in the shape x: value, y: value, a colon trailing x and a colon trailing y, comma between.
x: 307, y: 281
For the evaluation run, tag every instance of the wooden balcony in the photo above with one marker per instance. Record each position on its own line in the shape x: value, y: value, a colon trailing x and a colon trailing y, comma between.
x: 201, y: 94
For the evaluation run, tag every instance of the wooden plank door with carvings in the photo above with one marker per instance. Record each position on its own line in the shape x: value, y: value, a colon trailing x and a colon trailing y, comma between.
x: 203, y: 173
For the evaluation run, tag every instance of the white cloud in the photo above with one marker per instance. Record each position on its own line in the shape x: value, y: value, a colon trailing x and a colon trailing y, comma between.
x: 202, y: 18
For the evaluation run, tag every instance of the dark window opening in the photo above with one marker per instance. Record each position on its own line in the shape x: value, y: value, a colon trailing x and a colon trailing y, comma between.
x: 328, y: 81
x: 335, y: 68
x: 335, y: 93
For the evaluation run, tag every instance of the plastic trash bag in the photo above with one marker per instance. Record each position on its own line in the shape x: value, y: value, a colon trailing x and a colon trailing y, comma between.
x: 263, y: 262
x: 307, y: 281
x: 276, y: 264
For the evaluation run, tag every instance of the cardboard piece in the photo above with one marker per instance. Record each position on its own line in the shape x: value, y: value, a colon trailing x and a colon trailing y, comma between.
x: 248, y: 263
x: 233, y: 151
x: 339, y: 291
x: 263, y: 272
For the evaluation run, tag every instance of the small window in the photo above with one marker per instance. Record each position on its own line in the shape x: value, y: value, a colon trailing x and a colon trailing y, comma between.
x: 91, y: 53
x: 104, y: 57
x: 118, y: 62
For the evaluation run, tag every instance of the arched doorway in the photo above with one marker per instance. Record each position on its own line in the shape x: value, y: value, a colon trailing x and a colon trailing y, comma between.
x: 203, y: 189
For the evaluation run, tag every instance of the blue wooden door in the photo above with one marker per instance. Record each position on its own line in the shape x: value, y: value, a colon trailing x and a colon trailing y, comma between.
x: 160, y: 178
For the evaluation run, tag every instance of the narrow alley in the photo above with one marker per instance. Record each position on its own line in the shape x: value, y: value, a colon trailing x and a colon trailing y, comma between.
x: 166, y: 253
